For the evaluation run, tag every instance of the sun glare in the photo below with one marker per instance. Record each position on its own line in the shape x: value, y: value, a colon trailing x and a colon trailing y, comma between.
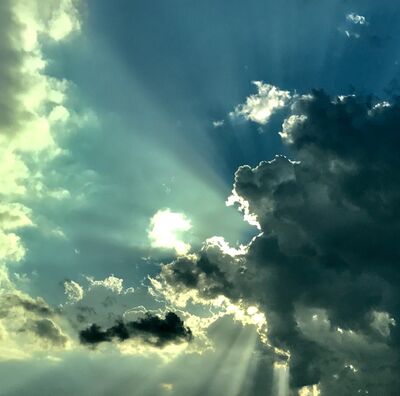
x: 166, y: 229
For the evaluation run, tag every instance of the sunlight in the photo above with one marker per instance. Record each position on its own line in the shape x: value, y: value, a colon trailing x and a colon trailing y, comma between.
x: 280, y: 384
x: 166, y: 228
x: 241, y: 372
x: 233, y: 362
x: 312, y: 390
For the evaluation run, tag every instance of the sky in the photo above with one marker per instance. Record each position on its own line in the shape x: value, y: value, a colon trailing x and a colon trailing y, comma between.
x: 199, y: 198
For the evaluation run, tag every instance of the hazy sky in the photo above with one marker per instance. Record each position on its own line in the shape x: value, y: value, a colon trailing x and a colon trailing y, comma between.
x: 199, y: 197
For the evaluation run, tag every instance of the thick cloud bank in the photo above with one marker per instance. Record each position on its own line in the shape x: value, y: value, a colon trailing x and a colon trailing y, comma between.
x: 324, y: 268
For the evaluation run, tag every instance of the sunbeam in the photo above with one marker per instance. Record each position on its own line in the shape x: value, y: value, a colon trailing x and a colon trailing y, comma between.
x: 280, y: 385
x: 231, y: 368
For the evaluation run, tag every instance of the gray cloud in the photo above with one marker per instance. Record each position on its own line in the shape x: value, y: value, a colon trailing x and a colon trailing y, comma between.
x: 151, y: 329
x: 14, y: 300
x: 329, y: 223
x: 47, y: 329
x: 12, y: 114
x: 29, y: 325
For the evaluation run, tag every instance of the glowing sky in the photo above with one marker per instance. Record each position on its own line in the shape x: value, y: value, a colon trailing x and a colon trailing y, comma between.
x: 199, y: 197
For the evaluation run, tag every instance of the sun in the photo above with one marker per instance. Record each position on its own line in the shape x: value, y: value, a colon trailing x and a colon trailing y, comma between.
x: 166, y: 229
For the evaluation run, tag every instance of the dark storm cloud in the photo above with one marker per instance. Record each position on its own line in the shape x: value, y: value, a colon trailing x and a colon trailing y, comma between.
x: 150, y: 329
x: 330, y: 224
x: 189, y: 270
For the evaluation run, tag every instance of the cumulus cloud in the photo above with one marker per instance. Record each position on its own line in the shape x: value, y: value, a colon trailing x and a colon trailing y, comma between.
x: 28, y: 326
x: 329, y: 220
x: 30, y: 100
x: 260, y: 106
x: 151, y: 329
x: 111, y: 283
x: 13, y: 216
x: 32, y: 105
x: 73, y: 291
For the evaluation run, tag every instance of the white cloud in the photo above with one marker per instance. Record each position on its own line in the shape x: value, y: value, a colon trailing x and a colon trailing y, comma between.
x: 243, y: 207
x: 13, y: 216
x: 356, y: 19
x: 31, y: 105
x: 73, y: 291
x: 166, y: 229
x: 31, y: 102
x: 224, y: 246
x: 218, y: 123
x: 290, y: 124
x: 260, y: 107
x: 111, y: 282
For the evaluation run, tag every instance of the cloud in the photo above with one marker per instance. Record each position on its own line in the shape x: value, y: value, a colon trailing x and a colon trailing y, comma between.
x: 355, y: 29
x: 29, y: 326
x: 350, y: 34
x: 73, y: 291
x: 234, y: 365
x: 151, y: 329
x: 218, y: 124
x: 31, y: 106
x: 260, y: 106
x: 14, y: 301
x: 101, y: 301
x: 30, y: 100
x: 356, y: 19
x: 112, y: 283
x: 32, y: 110
x: 329, y: 221
x: 47, y: 329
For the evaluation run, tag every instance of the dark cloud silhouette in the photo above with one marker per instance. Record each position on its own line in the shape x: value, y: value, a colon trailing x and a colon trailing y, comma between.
x: 330, y: 221
x: 151, y: 329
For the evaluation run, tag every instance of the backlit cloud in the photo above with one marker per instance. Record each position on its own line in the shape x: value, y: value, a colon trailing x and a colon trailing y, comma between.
x: 328, y: 222
x: 260, y: 106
